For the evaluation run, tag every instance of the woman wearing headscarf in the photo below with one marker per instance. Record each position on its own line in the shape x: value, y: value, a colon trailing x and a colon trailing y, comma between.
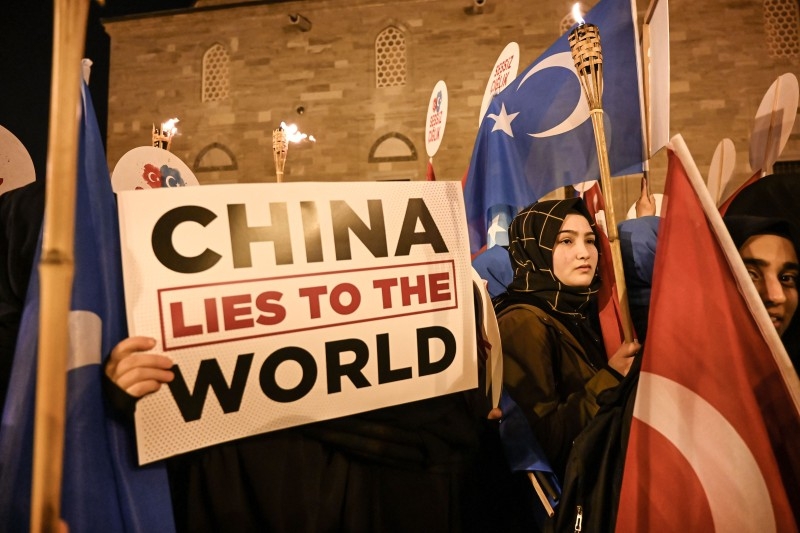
x: 554, y: 363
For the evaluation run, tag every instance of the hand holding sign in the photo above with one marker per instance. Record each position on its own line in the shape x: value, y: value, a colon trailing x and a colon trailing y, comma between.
x: 135, y: 372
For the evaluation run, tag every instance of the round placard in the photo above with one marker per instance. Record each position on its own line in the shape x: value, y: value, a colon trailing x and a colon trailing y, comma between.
x: 16, y: 165
x: 436, y: 119
x: 148, y: 167
x: 503, y: 73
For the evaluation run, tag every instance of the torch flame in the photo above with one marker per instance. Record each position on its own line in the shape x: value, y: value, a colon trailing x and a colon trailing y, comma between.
x: 294, y: 135
x: 168, y: 127
x: 576, y: 13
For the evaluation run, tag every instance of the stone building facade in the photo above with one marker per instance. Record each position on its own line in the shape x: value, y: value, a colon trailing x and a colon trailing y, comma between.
x: 358, y: 76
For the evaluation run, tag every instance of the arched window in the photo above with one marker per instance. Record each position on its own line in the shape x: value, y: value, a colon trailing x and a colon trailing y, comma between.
x: 215, y: 157
x: 781, y: 22
x: 393, y: 146
x: 390, y: 58
x: 215, y: 74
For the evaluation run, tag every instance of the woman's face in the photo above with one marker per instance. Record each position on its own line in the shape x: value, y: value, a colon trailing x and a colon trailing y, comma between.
x: 772, y: 264
x: 575, y: 252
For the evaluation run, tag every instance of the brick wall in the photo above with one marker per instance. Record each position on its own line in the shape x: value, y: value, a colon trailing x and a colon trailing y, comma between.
x: 720, y: 70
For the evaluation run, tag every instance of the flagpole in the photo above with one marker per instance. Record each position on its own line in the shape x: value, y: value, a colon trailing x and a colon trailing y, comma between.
x: 56, y: 266
x: 584, y: 42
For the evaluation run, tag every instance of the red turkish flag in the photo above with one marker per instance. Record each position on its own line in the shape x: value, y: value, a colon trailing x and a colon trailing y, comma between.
x: 607, y: 297
x: 716, y: 424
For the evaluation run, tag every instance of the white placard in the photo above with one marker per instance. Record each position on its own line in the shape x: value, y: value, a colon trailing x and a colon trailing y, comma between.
x: 655, y: 45
x: 503, y: 73
x: 148, y: 167
x: 436, y: 119
x: 774, y: 122
x: 298, y: 302
x: 16, y: 165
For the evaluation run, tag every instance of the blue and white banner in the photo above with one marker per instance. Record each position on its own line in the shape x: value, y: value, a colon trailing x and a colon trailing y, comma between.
x: 537, y: 135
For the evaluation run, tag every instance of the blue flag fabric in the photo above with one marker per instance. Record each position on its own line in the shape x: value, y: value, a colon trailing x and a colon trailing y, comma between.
x: 103, y: 489
x: 537, y: 136
x: 522, y: 449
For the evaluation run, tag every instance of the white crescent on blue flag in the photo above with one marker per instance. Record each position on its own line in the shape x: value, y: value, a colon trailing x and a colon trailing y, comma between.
x: 537, y: 135
x: 103, y: 489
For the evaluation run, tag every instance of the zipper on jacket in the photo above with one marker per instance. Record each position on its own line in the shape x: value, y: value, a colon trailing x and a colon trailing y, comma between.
x: 578, y: 519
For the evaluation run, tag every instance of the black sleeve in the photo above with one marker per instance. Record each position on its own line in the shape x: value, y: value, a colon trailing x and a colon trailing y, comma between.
x: 122, y: 404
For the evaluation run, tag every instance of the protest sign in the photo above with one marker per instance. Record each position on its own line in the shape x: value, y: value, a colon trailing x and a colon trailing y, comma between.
x: 284, y: 304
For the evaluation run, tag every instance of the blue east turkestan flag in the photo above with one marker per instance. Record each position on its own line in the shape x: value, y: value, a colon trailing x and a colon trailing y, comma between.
x: 537, y: 136
x: 522, y: 449
x: 103, y: 489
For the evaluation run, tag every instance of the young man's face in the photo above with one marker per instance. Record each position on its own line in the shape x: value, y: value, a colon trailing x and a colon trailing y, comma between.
x: 771, y: 261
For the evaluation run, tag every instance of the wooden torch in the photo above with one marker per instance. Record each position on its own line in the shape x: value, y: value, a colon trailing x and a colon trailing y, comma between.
x: 587, y: 54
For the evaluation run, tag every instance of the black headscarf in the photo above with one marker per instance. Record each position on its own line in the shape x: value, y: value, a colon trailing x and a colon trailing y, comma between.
x: 532, y: 237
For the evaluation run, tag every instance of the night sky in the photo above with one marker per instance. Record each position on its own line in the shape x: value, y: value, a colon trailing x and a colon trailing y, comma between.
x: 26, y: 41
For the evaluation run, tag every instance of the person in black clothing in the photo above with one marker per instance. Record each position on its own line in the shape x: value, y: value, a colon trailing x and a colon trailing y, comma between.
x: 408, y: 467
x: 21, y: 213
x: 774, y: 200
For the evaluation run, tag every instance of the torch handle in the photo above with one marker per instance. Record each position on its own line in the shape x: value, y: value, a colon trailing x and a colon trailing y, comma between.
x: 611, y: 223
x: 56, y: 266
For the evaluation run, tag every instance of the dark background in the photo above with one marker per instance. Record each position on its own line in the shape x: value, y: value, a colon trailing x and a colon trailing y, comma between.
x: 26, y: 43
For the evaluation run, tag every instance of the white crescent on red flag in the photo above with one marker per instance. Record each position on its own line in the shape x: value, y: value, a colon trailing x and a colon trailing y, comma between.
x: 713, y: 442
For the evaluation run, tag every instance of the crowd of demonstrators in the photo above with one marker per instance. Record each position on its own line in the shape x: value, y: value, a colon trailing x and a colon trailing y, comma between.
x: 418, y: 466
x: 346, y: 474
x: 552, y: 356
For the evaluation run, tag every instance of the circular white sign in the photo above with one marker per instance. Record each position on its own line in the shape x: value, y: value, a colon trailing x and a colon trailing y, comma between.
x: 148, y: 167
x: 774, y: 122
x: 436, y: 119
x: 503, y: 73
x: 16, y: 165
